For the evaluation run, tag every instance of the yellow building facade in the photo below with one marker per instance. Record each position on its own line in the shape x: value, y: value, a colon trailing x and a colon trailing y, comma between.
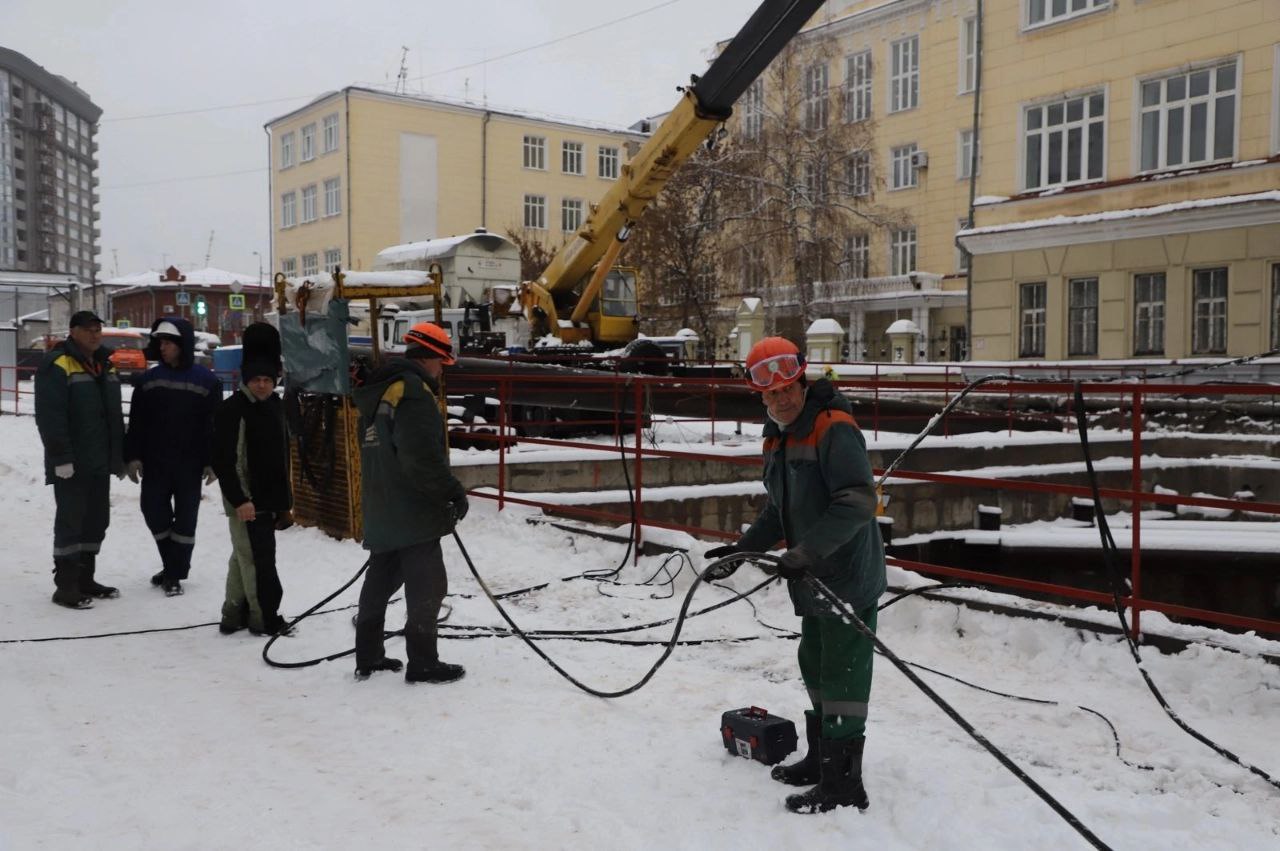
x: 1128, y: 195
x: 359, y: 170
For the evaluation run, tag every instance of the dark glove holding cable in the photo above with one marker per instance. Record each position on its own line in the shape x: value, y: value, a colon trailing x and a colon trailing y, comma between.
x: 459, y: 507
x: 794, y: 564
x: 725, y: 570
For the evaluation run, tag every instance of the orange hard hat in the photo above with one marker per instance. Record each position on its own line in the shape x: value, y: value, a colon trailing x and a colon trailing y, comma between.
x: 433, y: 339
x: 772, y: 363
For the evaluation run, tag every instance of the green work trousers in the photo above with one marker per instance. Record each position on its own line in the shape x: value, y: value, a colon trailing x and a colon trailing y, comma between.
x: 835, y: 664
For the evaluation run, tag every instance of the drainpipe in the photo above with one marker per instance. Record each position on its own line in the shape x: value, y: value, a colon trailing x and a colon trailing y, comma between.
x: 346, y: 120
x: 271, y: 209
x: 973, y: 183
x: 484, y: 170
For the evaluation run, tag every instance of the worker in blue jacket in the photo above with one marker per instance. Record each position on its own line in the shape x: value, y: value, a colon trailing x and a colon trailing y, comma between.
x: 169, y: 445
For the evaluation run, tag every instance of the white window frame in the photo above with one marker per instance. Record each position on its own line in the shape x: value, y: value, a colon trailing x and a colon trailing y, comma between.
x: 857, y: 86
x: 1071, y: 9
x: 1082, y: 317
x: 751, y: 108
x: 1045, y: 132
x: 535, y: 152
x: 286, y: 150
x: 1209, y: 312
x: 1163, y: 111
x: 816, y: 103
x: 307, y: 152
x: 332, y: 197
x: 1032, y: 314
x: 964, y: 154
x: 963, y: 258
x: 570, y: 214
x: 289, y: 209
x: 535, y: 212
x: 904, y: 74
x: 902, y: 250
x: 1149, y: 313
x: 332, y: 257
x: 329, y: 139
x: 967, y: 75
x: 904, y: 174
x: 289, y: 266
x: 571, y: 158
x: 309, y: 194
x: 857, y: 255
x: 310, y: 265
x: 858, y: 173
x: 607, y: 161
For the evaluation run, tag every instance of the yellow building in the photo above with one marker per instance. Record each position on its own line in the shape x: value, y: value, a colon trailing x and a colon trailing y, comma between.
x: 1131, y: 162
x: 359, y: 170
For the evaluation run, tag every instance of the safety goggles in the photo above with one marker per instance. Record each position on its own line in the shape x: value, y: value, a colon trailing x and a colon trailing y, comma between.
x: 779, y: 368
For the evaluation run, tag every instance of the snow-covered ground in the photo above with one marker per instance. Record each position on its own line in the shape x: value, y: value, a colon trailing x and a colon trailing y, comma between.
x: 186, y: 739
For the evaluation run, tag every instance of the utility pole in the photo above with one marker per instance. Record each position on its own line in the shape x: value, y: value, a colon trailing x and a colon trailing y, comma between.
x: 402, y: 79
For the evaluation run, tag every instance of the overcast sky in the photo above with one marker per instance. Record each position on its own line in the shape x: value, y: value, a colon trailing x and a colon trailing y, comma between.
x: 168, y: 180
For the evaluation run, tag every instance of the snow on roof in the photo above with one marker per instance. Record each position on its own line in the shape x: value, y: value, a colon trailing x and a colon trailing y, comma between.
x: 430, y: 249
x: 903, y: 326
x: 400, y: 278
x: 1272, y: 196
x: 825, y: 326
x: 208, y: 277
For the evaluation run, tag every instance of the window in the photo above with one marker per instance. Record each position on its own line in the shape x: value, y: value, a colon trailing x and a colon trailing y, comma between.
x: 310, y: 265
x: 289, y: 266
x: 308, y: 203
x: 752, y: 110
x: 857, y: 86
x: 904, y: 170
x: 571, y: 157
x: 286, y: 150
x: 1049, y: 11
x: 329, y: 143
x: 857, y: 256
x: 535, y: 152
x: 964, y: 151
x: 902, y: 251
x: 308, y: 143
x: 1189, y: 118
x: 607, y: 162
x: 1064, y: 141
x: 904, y: 76
x: 535, y: 212
x: 815, y: 181
x: 1209, y: 311
x: 1031, y: 300
x: 332, y: 197
x: 962, y: 256
x: 815, y: 97
x: 288, y: 209
x: 1082, y: 316
x: 332, y: 258
x: 570, y: 214
x: 968, y: 55
x: 858, y: 174
x: 1148, y: 314
x: 1275, y: 306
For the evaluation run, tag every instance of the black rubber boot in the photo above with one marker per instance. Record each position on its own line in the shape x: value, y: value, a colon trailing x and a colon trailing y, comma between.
x: 66, y: 579
x: 386, y: 663
x: 804, y: 771
x: 841, y: 781
x: 88, y: 565
x: 437, y: 672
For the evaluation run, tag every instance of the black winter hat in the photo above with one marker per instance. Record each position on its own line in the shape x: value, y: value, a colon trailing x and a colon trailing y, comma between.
x: 256, y: 367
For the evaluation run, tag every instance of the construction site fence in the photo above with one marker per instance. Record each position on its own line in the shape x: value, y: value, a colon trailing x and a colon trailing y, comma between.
x: 1127, y: 400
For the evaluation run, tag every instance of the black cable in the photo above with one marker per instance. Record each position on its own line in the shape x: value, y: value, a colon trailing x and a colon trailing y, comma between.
x: 309, y: 662
x: 1109, y: 550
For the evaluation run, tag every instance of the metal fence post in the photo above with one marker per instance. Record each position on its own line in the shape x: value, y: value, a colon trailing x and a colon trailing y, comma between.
x: 639, y: 463
x: 1135, y: 543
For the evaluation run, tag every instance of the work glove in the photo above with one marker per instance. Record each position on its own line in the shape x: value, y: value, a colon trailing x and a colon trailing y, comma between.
x: 209, y: 476
x: 134, y: 470
x: 65, y: 471
x: 794, y: 564
x: 459, y: 507
x: 725, y: 569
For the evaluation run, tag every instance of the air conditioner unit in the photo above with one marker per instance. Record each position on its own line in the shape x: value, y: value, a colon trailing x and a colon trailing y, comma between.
x: 920, y: 159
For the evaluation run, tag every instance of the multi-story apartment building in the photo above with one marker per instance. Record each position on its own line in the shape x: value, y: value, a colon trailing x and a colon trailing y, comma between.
x: 48, y: 176
x: 359, y: 170
x: 1131, y: 168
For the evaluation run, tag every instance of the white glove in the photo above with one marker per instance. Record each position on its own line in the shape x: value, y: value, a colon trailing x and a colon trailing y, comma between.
x: 134, y: 469
x: 209, y: 476
x: 65, y: 471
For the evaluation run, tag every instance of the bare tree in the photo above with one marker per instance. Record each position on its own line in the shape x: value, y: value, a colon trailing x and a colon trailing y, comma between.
x: 534, y: 256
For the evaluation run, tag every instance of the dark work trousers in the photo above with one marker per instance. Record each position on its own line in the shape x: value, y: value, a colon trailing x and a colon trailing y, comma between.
x: 170, y: 505
x: 835, y: 664
x: 254, y: 591
x: 83, y: 511
x: 420, y: 569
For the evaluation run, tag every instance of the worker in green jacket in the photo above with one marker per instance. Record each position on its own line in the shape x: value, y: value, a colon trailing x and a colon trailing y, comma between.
x: 410, y: 499
x: 821, y: 506
x: 81, y: 425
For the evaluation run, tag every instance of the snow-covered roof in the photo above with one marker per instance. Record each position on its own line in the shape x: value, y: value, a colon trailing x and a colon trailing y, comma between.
x: 1272, y: 196
x: 903, y: 326
x: 197, y: 278
x: 825, y: 326
x: 436, y: 249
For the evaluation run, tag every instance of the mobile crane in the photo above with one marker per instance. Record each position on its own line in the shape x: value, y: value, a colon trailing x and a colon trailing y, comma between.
x: 580, y: 296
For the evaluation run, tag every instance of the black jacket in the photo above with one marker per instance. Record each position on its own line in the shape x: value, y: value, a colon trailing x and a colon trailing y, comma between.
x: 171, y: 413
x: 251, y: 451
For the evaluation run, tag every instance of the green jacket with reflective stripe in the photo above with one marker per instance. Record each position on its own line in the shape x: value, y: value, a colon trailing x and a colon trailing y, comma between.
x: 78, y: 412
